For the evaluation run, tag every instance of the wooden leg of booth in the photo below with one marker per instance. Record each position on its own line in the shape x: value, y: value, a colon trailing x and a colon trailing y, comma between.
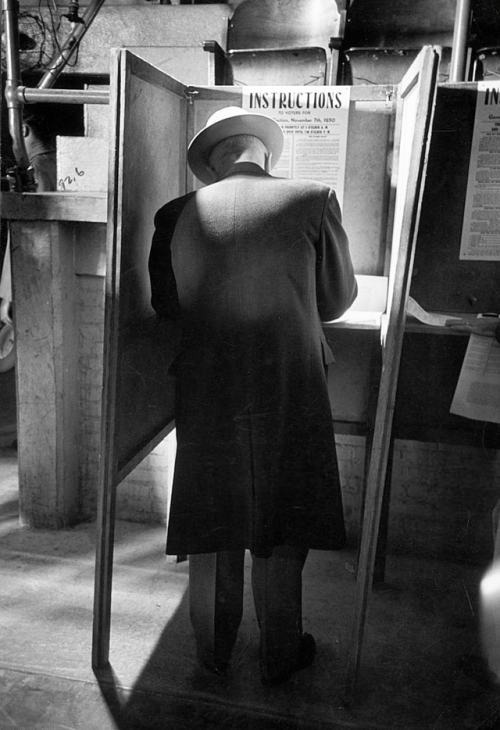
x: 373, y: 389
x: 383, y: 530
x: 103, y: 574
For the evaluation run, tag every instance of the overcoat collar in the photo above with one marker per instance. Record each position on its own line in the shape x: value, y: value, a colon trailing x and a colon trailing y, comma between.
x: 245, y: 168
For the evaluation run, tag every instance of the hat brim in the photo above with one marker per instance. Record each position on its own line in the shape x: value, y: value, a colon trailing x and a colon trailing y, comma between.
x: 258, y: 125
x: 7, y: 348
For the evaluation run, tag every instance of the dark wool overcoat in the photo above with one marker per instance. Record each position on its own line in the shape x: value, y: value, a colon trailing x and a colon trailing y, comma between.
x: 251, y: 265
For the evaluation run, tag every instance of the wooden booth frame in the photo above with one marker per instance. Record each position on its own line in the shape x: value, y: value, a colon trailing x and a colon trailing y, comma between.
x: 153, y: 117
x: 416, y: 100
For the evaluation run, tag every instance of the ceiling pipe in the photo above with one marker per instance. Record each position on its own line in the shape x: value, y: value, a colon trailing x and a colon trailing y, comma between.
x: 460, y: 37
x: 60, y: 60
x: 22, y: 177
x: 28, y: 95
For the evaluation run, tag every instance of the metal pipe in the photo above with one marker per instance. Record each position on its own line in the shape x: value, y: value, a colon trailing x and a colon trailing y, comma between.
x: 24, y: 173
x: 460, y: 37
x: 59, y: 60
x: 63, y: 96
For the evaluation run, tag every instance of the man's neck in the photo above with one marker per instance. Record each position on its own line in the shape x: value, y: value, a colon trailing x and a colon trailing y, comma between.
x: 247, y: 156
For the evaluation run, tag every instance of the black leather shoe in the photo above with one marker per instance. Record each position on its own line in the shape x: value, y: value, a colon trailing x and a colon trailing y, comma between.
x: 307, y: 652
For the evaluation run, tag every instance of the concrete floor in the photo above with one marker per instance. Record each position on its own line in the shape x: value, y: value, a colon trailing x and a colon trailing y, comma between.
x: 417, y: 672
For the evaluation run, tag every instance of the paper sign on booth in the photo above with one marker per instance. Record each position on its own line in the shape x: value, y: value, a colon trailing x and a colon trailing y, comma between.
x: 315, y: 124
x: 481, y: 224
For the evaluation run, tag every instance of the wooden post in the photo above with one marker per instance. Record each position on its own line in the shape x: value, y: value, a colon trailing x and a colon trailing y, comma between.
x: 46, y: 372
x: 44, y: 241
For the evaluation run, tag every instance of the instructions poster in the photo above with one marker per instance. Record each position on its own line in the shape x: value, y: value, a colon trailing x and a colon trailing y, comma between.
x: 315, y: 124
x: 481, y: 227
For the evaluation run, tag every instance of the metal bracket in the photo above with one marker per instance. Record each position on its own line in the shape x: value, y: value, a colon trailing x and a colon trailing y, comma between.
x: 191, y: 93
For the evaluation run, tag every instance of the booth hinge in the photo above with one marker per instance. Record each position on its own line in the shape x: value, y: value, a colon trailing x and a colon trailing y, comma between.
x: 191, y: 93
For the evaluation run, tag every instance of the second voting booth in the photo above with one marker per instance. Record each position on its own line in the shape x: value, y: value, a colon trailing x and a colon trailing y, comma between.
x: 154, y: 117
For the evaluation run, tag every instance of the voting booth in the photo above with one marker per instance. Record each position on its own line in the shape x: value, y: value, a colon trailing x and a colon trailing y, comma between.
x: 457, y: 263
x: 154, y: 117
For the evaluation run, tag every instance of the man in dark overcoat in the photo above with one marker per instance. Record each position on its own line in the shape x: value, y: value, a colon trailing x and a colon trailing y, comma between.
x: 251, y: 265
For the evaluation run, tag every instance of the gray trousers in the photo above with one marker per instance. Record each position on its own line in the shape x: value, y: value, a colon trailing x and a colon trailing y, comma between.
x: 216, y: 583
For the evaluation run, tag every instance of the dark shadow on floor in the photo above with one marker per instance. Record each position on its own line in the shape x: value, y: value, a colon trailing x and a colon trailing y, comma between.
x: 413, y: 674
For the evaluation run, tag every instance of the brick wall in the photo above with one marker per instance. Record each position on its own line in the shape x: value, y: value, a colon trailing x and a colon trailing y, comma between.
x: 441, y: 498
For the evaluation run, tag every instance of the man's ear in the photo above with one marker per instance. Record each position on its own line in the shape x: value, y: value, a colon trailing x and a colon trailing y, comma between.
x: 213, y: 174
x: 26, y: 130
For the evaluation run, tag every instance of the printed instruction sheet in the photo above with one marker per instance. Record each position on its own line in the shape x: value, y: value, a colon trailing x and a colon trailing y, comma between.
x: 315, y: 124
x: 477, y: 394
x: 481, y: 225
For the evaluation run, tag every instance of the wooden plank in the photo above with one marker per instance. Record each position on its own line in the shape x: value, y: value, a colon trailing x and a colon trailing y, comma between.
x: 145, y: 71
x: 106, y: 498
x: 148, y: 447
x: 45, y: 309
x: 419, y: 80
x: 147, y: 168
x: 349, y: 379
x: 145, y: 392
x: 186, y: 63
x: 366, y: 189
x: 441, y: 279
x: 87, y: 207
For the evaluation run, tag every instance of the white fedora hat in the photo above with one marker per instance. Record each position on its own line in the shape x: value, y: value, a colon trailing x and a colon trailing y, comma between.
x: 229, y: 122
